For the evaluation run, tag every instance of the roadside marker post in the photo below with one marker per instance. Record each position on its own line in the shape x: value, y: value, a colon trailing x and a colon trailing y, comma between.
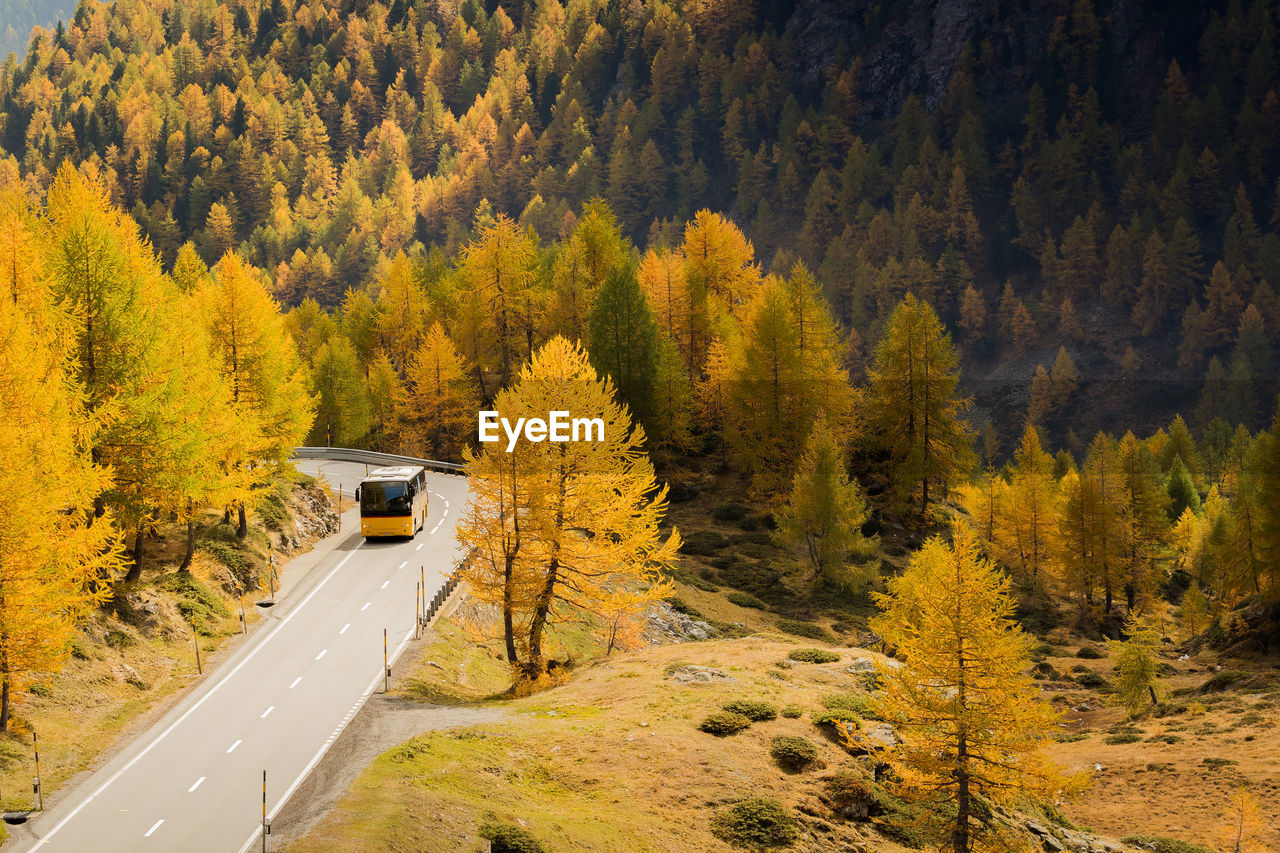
x: 339, y: 507
x: 417, y: 611
x: 244, y: 623
x: 385, y: 665
x: 39, y: 794
x: 195, y: 640
x: 266, y: 824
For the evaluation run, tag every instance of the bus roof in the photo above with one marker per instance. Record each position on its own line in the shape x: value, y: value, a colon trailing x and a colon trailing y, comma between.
x: 399, y: 472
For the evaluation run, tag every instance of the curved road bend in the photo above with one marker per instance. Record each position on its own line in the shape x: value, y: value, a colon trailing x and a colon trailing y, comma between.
x: 193, y: 782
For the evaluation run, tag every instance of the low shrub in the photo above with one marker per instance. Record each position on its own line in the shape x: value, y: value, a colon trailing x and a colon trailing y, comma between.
x: 723, y: 724
x: 1164, y: 739
x: 78, y: 647
x: 679, y: 605
x: 1214, y: 763
x: 806, y: 629
x: 119, y: 639
x: 1090, y: 653
x: 692, y: 580
x: 792, y: 712
x: 793, y: 752
x: 850, y: 794
x: 1123, y: 737
x: 840, y: 719
x: 729, y: 512
x: 40, y: 689
x: 242, y: 564
x: 1222, y: 680
x: 752, y: 709
x: 507, y: 838
x: 854, y: 702
x: 703, y: 543
x: 272, y: 510
x: 1091, y: 680
x: 755, y: 823
x: 1045, y: 670
x: 1161, y: 844
x: 744, y: 599
x: 195, y: 601
x: 813, y: 655
x: 1072, y: 737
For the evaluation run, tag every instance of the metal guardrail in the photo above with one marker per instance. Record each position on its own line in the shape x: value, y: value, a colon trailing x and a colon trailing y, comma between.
x: 349, y: 454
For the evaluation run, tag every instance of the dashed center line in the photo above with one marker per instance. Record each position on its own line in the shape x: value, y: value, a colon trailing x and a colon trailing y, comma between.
x: 366, y: 606
x: 295, y: 682
x: 196, y: 785
x: 233, y: 746
x: 344, y: 628
x: 419, y: 548
x: 268, y: 711
x: 402, y: 565
x: 437, y: 527
x: 154, y: 827
x: 385, y: 584
x: 323, y: 652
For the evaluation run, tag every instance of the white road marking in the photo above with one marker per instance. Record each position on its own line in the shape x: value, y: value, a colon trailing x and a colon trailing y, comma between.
x: 233, y: 746
x: 295, y: 682
x: 268, y: 711
x: 196, y: 785
x: 323, y: 652
x: 366, y: 606
x: 419, y: 548
x: 384, y: 584
x: 437, y: 527
x: 344, y: 628
x: 402, y: 565
x: 254, y: 836
x: 212, y: 690
x: 156, y: 826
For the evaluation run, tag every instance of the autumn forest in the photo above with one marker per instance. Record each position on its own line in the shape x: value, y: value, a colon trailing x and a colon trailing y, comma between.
x: 965, y: 321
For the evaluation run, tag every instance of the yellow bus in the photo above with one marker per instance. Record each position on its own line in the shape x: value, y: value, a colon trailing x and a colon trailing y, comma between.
x: 393, y: 501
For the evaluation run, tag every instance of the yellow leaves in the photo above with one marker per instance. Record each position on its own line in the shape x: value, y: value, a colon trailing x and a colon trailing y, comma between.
x: 438, y: 405
x: 962, y: 705
x: 565, y: 525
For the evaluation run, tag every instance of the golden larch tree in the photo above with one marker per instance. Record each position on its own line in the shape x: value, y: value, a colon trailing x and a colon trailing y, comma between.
x: 969, y: 718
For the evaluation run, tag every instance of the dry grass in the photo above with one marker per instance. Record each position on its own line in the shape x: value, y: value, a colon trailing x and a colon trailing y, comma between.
x: 82, y: 711
x: 611, y: 761
x: 1153, y: 787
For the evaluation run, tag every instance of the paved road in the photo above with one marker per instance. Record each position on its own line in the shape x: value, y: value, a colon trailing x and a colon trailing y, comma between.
x: 194, y: 781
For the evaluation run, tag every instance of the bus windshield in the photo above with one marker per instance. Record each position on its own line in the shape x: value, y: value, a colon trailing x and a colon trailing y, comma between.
x: 384, y: 498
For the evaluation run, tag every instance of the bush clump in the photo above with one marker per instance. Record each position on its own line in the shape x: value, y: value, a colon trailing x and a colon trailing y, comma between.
x: 755, y: 823
x: 840, y: 719
x: 745, y: 599
x: 806, y: 629
x: 679, y: 605
x: 272, y: 510
x: 729, y: 512
x: 753, y: 710
x: 1161, y: 844
x: 793, y: 752
x: 508, y: 838
x: 850, y: 795
x: 703, y: 543
x: 813, y: 655
x: 723, y: 724
x: 1123, y: 737
x: 1089, y: 653
x: 195, y: 601
x: 792, y: 712
x: 853, y: 702
x: 1091, y: 679
x: 1222, y: 680
x: 242, y: 564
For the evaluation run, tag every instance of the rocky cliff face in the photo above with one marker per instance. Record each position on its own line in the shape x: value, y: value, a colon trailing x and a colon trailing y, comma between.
x: 914, y: 47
